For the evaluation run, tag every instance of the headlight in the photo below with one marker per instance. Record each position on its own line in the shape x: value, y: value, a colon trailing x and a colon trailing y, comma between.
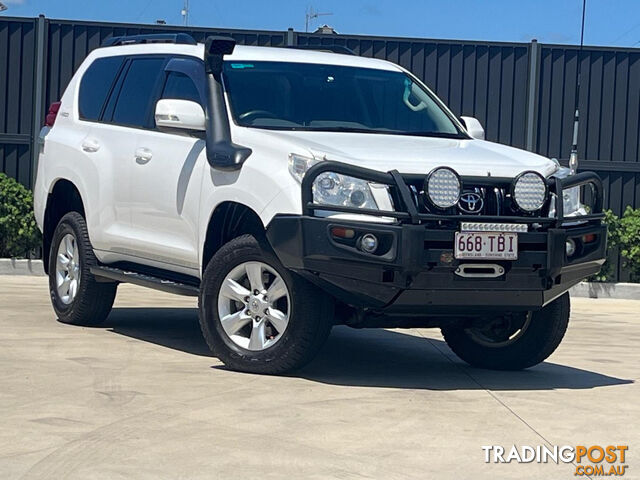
x: 571, y: 201
x: 529, y: 191
x: 571, y: 205
x: 334, y: 189
x: 443, y: 187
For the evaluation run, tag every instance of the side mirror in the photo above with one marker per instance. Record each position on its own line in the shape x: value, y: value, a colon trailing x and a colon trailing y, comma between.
x: 185, y: 114
x: 474, y: 127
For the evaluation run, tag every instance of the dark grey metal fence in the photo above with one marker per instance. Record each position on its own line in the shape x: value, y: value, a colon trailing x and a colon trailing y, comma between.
x: 17, y: 62
x: 523, y: 93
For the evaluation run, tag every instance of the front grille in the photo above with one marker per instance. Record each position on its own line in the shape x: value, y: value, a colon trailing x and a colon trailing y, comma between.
x: 478, y: 198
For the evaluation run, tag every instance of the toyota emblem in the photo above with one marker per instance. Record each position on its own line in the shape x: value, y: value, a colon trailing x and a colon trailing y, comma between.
x: 471, y: 203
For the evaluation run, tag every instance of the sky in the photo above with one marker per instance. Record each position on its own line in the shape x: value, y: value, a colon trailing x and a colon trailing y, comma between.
x: 608, y: 22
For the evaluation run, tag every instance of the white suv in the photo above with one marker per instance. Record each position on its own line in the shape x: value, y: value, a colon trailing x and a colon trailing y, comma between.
x: 292, y: 190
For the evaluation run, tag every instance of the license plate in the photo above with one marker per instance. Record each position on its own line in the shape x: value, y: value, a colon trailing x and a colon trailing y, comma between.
x: 486, y: 245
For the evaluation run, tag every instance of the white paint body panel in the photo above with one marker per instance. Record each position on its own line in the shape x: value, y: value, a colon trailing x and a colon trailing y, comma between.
x: 154, y: 208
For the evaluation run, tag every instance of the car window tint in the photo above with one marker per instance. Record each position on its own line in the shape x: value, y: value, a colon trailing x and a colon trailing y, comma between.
x: 301, y: 96
x: 137, y: 92
x: 179, y: 86
x: 95, y: 86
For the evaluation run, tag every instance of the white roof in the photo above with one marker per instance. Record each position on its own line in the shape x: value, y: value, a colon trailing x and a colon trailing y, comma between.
x: 249, y: 53
x: 274, y: 54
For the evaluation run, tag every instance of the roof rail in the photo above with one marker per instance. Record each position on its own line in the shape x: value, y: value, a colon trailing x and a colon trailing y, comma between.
x: 180, y: 38
x: 325, y: 48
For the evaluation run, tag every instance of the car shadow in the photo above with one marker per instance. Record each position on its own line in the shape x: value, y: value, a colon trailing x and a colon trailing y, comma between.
x: 175, y: 328
x: 369, y: 357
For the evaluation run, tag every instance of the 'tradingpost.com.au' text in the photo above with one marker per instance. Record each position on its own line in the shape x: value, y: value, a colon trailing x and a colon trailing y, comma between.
x: 592, y: 460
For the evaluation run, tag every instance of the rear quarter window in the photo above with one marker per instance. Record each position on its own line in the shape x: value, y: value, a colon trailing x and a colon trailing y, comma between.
x: 95, y: 86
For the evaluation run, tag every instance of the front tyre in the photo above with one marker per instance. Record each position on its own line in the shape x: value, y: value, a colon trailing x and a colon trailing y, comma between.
x: 76, y: 296
x: 256, y: 315
x: 511, y: 342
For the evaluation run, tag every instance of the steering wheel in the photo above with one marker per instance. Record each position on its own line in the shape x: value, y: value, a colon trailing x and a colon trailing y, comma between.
x: 256, y: 113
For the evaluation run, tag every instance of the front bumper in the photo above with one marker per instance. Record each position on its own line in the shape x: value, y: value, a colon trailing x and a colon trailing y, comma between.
x: 416, y: 276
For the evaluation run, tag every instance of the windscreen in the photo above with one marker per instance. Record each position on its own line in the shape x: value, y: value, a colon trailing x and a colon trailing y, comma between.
x: 302, y: 96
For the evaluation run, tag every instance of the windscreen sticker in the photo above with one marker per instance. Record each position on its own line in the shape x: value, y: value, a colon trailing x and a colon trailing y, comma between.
x: 241, y: 65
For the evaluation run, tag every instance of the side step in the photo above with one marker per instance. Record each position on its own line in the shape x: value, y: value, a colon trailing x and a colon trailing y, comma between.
x: 145, y: 281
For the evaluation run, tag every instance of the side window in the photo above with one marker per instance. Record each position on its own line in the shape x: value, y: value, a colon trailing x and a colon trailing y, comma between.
x: 179, y: 86
x: 137, y: 92
x: 95, y: 86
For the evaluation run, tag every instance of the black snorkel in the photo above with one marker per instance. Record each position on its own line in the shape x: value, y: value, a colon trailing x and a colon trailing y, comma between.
x: 222, y: 153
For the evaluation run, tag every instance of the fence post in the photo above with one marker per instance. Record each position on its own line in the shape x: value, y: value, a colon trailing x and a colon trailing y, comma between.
x: 38, y: 95
x: 532, y: 95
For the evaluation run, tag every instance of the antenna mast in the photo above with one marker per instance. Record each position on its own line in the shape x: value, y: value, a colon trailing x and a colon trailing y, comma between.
x: 573, y: 157
x: 185, y: 13
x: 310, y: 15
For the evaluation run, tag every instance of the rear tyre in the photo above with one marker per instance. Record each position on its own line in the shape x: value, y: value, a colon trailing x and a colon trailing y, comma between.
x: 76, y: 296
x: 512, y: 342
x: 256, y: 315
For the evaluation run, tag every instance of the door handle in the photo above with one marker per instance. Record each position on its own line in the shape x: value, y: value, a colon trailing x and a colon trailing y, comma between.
x: 90, y: 145
x: 143, y: 154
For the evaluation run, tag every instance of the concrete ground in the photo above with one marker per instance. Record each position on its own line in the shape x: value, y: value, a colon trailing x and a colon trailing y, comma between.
x: 142, y: 398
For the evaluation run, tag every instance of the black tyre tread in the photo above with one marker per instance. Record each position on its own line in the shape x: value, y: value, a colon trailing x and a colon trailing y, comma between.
x: 94, y: 300
x: 542, y: 337
x: 314, y: 307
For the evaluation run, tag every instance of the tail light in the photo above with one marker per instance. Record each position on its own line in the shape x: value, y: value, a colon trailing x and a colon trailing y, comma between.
x: 52, y: 114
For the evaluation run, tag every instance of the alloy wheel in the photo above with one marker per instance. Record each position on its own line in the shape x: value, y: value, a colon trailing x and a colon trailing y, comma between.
x: 68, y: 270
x: 254, y: 306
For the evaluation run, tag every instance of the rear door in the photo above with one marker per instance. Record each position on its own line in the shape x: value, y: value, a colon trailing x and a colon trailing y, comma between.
x: 105, y: 149
x: 125, y: 115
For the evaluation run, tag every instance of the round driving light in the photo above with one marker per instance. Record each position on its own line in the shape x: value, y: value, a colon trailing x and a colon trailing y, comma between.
x: 529, y: 191
x: 570, y: 247
x: 369, y: 243
x: 443, y: 187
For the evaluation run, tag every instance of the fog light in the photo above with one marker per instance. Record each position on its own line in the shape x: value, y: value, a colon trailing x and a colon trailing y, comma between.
x: 570, y: 247
x: 589, y: 238
x: 369, y: 243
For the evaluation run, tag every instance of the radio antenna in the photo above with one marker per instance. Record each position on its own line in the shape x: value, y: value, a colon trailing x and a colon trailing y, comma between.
x: 311, y: 15
x: 185, y: 13
x: 573, y: 157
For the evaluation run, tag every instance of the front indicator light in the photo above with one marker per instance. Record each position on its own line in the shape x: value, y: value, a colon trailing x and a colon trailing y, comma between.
x: 341, y: 232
